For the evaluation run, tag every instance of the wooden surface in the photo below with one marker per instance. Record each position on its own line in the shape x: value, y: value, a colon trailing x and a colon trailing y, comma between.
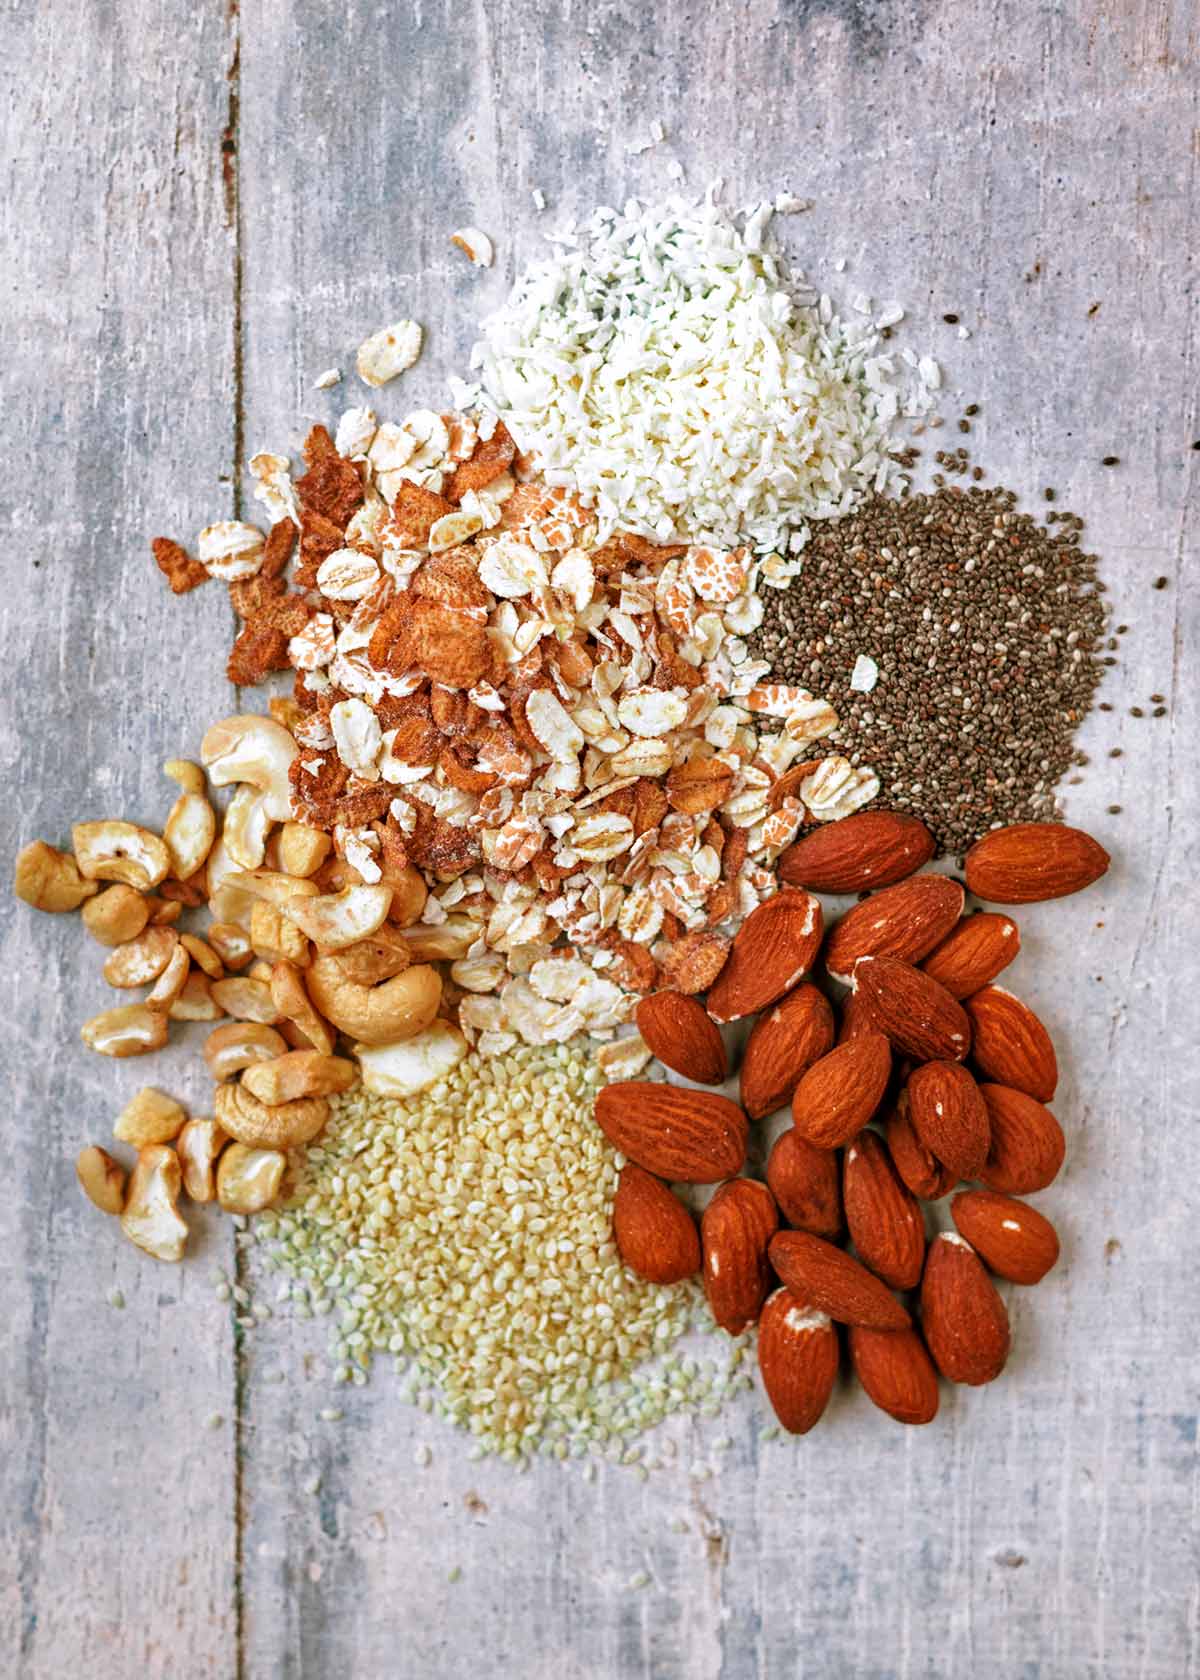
x: 202, y: 211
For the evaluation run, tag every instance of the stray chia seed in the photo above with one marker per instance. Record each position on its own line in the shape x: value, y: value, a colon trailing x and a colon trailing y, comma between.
x: 985, y: 628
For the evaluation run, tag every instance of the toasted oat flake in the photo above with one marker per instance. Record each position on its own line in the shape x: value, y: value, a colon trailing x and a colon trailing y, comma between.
x: 388, y: 352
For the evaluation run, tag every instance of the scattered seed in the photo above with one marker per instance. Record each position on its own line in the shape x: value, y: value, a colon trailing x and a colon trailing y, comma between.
x: 214, y: 1420
x: 1160, y: 583
x: 116, y: 1299
x: 950, y: 320
x: 1160, y: 711
x: 1111, y: 461
x: 454, y: 1574
x: 1136, y: 711
x: 331, y: 1414
x: 1157, y: 699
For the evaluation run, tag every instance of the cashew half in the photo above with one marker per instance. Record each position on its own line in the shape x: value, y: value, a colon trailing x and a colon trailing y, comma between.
x: 290, y: 997
x: 101, y: 1179
x: 301, y: 1073
x: 120, y: 851
x: 231, y: 943
x: 203, y: 955
x: 399, y: 1008
x: 227, y: 903
x: 257, y: 750
x: 140, y: 961
x: 336, y: 920
x: 246, y: 827
x: 170, y: 983
x: 198, y: 1145
x: 249, y: 1180
x: 151, y: 1219
x: 375, y: 959
x: 189, y: 776
x: 238, y: 1045
x: 149, y: 1117
x: 189, y: 833
x: 245, y: 999
x: 441, y: 941
x: 272, y: 886
x: 131, y: 1030
x: 195, y: 1002
x: 49, y: 879
x: 279, y: 1126
x: 409, y: 895
x: 401, y: 1070
x: 275, y: 939
x: 116, y: 915
x: 302, y: 850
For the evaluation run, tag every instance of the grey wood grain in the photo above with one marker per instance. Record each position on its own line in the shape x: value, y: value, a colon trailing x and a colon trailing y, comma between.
x: 1017, y: 166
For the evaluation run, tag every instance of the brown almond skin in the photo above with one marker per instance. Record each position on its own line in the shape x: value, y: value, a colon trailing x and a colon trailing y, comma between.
x: 963, y: 1319
x: 920, y: 1018
x: 828, y: 1278
x: 797, y: 1359
x: 681, y: 1035
x: 925, y: 1176
x: 735, y: 1230
x: 785, y: 1042
x: 949, y: 1116
x: 772, y: 951
x: 1031, y: 862
x: 896, y: 1371
x: 686, y: 1137
x: 974, y: 953
x: 1027, y: 1147
x: 840, y: 1093
x: 987, y: 1220
x: 1009, y: 1044
x: 806, y: 1184
x: 886, y: 1225
x: 868, y: 849
x: 854, y: 1018
x: 904, y: 921
x: 655, y: 1234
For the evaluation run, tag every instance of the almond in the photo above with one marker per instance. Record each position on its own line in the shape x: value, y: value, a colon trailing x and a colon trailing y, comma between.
x: 798, y: 1360
x: 655, y: 1234
x: 840, y: 1093
x: 905, y: 921
x: 1030, y: 862
x: 827, y: 1277
x: 924, y: 1175
x: 896, y: 1371
x: 806, y: 1184
x: 949, y: 1116
x: 1027, y: 1145
x: 1015, y: 1240
x: 974, y: 952
x: 919, y: 1016
x: 690, y: 1137
x: 772, y: 951
x: 886, y: 1226
x: 735, y: 1229
x: 963, y: 1318
x: 1009, y: 1045
x: 869, y: 849
x: 854, y: 1019
x: 681, y: 1035
x: 787, y: 1039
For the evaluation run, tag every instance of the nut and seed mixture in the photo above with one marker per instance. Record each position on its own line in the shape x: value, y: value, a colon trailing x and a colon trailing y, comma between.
x: 960, y: 644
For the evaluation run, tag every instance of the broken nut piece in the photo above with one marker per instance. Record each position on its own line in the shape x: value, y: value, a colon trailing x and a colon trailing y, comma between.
x: 275, y: 938
x: 269, y: 1126
x: 49, y: 879
x: 198, y: 1145
x: 245, y: 999
x: 132, y: 1030
x: 170, y: 983
x: 149, y: 1117
x: 231, y: 943
x: 151, y: 1218
x: 334, y: 920
x: 290, y: 996
x: 238, y: 1045
x: 101, y: 1179
x: 116, y: 915
x: 120, y: 851
x: 302, y: 850
x: 195, y: 1002
x: 301, y: 1073
x: 189, y: 832
x: 140, y: 961
x: 249, y: 1179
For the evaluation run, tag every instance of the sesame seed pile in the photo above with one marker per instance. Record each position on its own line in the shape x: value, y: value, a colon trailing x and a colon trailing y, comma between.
x: 986, y: 629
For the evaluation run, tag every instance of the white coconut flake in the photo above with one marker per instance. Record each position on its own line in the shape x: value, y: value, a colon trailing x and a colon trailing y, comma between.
x: 864, y: 675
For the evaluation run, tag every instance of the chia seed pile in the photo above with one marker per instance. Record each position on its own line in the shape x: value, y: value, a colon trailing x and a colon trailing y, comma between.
x: 987, y: 629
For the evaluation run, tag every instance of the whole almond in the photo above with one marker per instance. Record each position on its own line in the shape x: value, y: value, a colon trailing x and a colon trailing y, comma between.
x: 917, y: 1015
x: 886, y: 1226
x: 690, y: 1137
x: 963, y: 1319
x: 787, y: 1039
x: 840, y: 1093
x: 974, y: 952
x: 826, y: 1277
x: 735, y: 1229
x: 1030, y: 862
x: 772, y: 951
x: 1015, y: 1240
x: 1027, y: 1147
x: 1009, y: 1045
x: 868, y: 849
x: 655, y: 1234
x: 896, y: 1371
x: 806, y: 1184
x: 949, y: 1116
x: 904, y: 921
x: 681, y: 1035
x: 854, y: 1018
x: 797, y: 1359
x: 925, y: 1176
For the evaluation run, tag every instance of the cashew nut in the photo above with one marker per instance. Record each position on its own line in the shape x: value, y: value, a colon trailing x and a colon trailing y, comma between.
x: 301, y: 1073
x: 189, y: 832
x: 131, y: 1030
x: 101, y: 1179
x: 401, y: 1070
x: 272, y: 886
x: 245, y: 999
x: 335, y: 875
x: 276, y: 939
x: 140, y: 961
x: 249, y: 1180
x: 227, y: 902
x: 399, y: 1008
x: 302, y: 850
x: 170, y: 983
x: 195, y: 1001
x: 164, y: 912
x: 151, y: 1218
x: 120, y: 851
x: 378, y: 958
x: 246, y: 827
x: 238, y: 1045
x: 441, y: 941
x: 260, y: 971
x: 149, y: 1117
x: 290, y: 997
x: 280, y: 1126
x: 203, y: 955
x: 198, y: 1145
x: 231, y: 943
x: 255, y: 750
x: 189, y: 776
x: 336, y: 920
x: 116, y: 915
x: 49, y: 879
x: 409, y: 894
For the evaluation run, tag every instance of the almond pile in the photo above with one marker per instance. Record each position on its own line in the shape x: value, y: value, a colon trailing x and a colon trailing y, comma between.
x: 928, y: 1074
